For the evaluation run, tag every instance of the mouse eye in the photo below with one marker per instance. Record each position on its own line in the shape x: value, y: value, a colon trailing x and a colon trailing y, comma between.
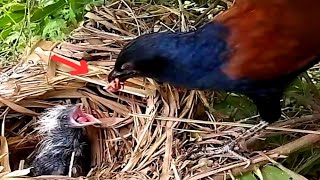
x: 64, y: 117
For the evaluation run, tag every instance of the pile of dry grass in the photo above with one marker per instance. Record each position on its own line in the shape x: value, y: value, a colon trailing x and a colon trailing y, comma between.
x: 147, y: 131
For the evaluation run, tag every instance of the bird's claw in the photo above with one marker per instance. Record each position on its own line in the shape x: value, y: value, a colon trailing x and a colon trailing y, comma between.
x: 254, y: 129
x: 248, y: 164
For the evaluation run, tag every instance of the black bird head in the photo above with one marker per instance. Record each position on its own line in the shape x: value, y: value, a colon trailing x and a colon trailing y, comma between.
x: 144, y: 56
x: 186, y: 60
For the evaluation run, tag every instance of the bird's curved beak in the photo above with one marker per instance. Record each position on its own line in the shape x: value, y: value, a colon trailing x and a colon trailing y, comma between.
x: 122, y: 76
x: 113, y: 75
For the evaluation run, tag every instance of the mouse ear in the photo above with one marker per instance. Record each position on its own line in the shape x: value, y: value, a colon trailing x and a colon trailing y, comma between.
x: 127, y: 66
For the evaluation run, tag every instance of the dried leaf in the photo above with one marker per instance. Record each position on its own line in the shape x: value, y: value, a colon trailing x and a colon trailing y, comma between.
x: 18, y: 108
x: 5, y: 154
x: 18, y: 173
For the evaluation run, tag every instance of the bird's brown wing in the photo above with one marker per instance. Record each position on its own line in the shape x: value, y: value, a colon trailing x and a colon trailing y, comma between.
x: 271, y: 38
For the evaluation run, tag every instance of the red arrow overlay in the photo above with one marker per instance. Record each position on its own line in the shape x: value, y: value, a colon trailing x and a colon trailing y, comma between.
x: 82, y: 69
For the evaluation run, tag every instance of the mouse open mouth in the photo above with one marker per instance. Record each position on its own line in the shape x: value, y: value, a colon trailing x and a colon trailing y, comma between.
x: 81, y: 119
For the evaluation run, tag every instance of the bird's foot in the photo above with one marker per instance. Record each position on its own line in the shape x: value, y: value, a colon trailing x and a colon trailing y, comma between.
x: 254, y: 130
x: 240, y: 157
x: 251, y: 135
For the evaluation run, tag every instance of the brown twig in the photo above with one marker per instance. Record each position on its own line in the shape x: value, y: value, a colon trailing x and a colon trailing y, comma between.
x: 201, y: 17
x: 284, y: 150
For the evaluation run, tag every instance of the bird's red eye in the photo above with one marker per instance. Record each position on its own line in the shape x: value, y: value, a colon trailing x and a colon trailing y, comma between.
x: 127, y: 66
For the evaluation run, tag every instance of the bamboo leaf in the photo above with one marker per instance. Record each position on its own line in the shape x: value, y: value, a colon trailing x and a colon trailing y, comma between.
x: 11, y: 18
x: 40, y: 14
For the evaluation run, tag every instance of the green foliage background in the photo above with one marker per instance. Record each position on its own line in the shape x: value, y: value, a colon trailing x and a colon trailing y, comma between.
x: 22, y: 21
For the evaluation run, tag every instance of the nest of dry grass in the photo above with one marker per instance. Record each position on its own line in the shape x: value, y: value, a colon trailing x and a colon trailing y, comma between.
x: 149, y: 130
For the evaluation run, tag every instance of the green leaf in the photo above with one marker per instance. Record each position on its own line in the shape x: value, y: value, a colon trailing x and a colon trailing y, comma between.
x: 73, y: 10
x: 17, y: 7
x: 269, y: 172
x: 240, y: 105
x: 273, y: 173
x: 247, y: 176
x: 54, y: 29
x: 7, y: 19
x: 6, y: 32
x: 77, y: 8
x: 40, y: 14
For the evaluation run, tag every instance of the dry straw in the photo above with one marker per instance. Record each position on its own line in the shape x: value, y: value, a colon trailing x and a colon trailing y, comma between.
x: 147, y: 131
